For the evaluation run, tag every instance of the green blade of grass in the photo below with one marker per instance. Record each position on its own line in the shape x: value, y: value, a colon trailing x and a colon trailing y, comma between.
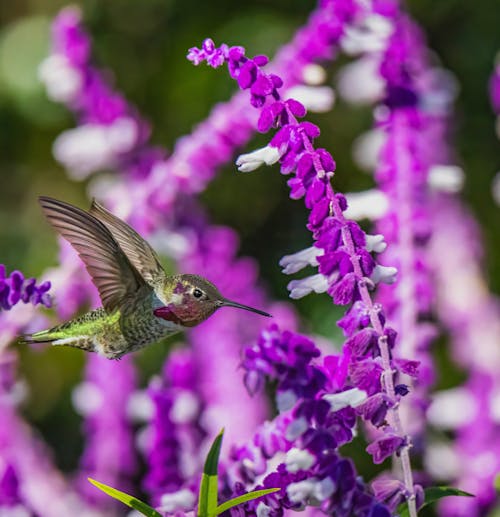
x: 127, y: 499
x: 244, y: 498
x: 207, y: 502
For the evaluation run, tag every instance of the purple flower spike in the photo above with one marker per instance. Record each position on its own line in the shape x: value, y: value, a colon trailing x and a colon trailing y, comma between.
x: 16, y: 288
x: 347, y: 266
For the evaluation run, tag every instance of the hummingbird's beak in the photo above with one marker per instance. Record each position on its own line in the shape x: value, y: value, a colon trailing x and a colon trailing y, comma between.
x: 229, y: 303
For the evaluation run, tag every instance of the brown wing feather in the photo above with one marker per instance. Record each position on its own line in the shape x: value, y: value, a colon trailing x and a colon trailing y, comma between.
x: 111, y: 271
x: 138, y: 251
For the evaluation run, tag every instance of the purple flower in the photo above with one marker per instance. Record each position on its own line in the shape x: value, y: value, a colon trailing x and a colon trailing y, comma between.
x: 384, y: 447
x: 103, y: 399
x: 15, y: 288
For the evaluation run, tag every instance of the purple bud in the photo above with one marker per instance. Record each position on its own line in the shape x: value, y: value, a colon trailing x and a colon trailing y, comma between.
x: 208, y: 45
x: 342, y: 201
x: 277, y: 81
x: 261, y: 60
x: 402, y: 390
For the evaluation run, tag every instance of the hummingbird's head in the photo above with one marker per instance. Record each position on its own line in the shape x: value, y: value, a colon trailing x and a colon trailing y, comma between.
x: 191, y: 299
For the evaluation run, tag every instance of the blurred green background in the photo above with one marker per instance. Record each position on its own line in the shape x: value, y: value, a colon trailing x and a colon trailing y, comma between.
x: 144, y: 43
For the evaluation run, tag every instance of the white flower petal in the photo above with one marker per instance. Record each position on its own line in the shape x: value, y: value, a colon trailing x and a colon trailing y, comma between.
x: 375, y: 243
x: 451, y: 409
x: 183, y: 499
x: 442, y: 462
x: 446, y: 178
x: 62, y: 81
x: 323, y: 489
x: 297, y: 261
x: 360, y: 82
x: 369, y: 204
x: 384, y: 274
x: 296, y: 428
x: 140, y: 407
x: 87, y: 398
x: 263, y: 510
x: 185, y: 408
x: 285, y: 400
x: 299, y: 459
x: 318, y: 99
x: 313, y: 74
x: 300, y: 288
x: 353, y: 397
x: 251, y: 161
x: 367, y: 147
x: 300, y: 491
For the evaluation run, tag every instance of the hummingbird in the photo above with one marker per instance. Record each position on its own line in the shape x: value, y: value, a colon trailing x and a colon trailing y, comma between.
x: 141, y: 304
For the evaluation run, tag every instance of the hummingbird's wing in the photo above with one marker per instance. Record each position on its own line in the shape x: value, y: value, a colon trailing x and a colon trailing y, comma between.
x: 111, y: 271
x: 139, y: 252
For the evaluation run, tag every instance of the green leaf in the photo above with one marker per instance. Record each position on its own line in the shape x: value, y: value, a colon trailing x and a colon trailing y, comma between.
x: 433, y: 494
x: 207, y: 505
x: 129, y: 500
x: 244, y: 498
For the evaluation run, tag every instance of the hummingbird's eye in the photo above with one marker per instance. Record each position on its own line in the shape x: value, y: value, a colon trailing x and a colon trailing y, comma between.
x: 197, y: 293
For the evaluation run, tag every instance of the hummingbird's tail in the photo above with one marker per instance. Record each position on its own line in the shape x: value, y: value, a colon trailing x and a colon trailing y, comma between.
x: 44, y: 336
x: 54, y: 336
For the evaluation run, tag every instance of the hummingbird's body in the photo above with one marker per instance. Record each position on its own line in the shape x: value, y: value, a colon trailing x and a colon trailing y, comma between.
x: 141, y: 303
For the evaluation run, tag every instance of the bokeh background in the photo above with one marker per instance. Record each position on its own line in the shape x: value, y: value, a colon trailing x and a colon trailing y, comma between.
x: 144, y: 46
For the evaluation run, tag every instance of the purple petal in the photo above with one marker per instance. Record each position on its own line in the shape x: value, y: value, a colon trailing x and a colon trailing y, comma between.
x: 262, y: 86
x: 311, y: 130
x: 315, y: 192
x: 343, y: 290
x: 361, y: 342
x: 266, y: 120
x: 236, y: 53
x: 319, y: 212
x: 326, y: 159
x: 407, y: 366
x: 384, y: 447
x: 297, y: 189
x: 247, y: 75
x: 296, y: 107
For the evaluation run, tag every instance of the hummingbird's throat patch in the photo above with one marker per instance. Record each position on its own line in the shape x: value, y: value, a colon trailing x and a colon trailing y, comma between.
x: 165, y: 313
